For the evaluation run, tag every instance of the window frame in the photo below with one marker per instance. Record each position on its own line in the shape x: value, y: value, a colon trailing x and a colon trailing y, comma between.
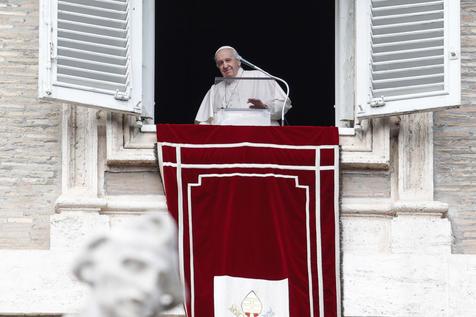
x: 365, y: 144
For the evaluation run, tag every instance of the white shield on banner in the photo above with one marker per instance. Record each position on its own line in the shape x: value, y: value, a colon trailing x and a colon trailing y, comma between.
x: 248, y: 297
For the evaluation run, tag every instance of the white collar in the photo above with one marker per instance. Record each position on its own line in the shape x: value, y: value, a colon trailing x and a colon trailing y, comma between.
x: 238, y: 74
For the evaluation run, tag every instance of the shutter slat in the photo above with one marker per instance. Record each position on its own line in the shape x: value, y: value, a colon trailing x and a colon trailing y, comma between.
x: 407, y: 54
x: 406, y: 8
x: 93, y: 85
x: 90, y: 28
x: 92, y: 19
x: 92, y: 74
x: 408, y: 26
x: 102, y: 58
x: 408, y: 18
x: 408, y: 72
x: 408, y: 63
x: 404, y: 36
x: 391, y: 3
x: 409, y: 91
x: 408, y: 45
x: 93, y: 38
x: 93, y: 47
x: 92, y: 10
x: 93, y: 65
x: 105, y: 4
x: 407, y: 81
x: 407, y: 48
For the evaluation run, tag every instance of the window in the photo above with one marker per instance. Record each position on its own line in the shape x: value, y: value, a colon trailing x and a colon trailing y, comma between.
x: 189, y: 32
x: 392, y: 56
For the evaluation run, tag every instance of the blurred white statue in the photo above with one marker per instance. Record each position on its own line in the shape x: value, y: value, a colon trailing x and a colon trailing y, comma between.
x: 132, y: 271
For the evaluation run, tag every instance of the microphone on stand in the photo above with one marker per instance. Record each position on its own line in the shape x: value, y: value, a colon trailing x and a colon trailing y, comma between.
x: 246, y: 62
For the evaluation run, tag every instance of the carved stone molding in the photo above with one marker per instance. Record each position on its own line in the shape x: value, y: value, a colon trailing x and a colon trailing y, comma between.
x: 79, y: 159
x: 126, y: 145
x: 415, y: 157
x: 384, y: 207
x: 91, y: 140
x: 368, y: 147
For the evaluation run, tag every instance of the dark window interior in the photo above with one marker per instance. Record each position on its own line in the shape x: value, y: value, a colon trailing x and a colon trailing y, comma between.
x: 292, y: 40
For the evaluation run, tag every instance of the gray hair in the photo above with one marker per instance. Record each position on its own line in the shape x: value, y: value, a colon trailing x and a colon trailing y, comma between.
x: 233, y: 51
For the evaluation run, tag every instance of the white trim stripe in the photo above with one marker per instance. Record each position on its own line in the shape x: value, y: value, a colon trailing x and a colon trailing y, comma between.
x: 160, y: 159
x: 337, y: 230
x: 190, y: 235
x: 247, y: 144
x: 318, y: 232
x: 249, y: 165
x: 180, y: 222
x: 308, y: 230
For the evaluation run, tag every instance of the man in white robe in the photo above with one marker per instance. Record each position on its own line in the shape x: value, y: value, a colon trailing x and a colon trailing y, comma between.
x: 245, y: 93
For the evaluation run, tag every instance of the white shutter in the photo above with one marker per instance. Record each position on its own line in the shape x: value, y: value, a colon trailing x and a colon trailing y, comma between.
x: 407, y: 56
x: 91, y: 53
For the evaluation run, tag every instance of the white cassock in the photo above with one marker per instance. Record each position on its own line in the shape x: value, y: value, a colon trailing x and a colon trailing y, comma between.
x: 229, y: 94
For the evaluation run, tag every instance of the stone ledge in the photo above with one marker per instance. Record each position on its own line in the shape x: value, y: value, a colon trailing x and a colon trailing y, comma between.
x: 135, y: 203
x: 431, y: 208
x: 387, y: 207
x: 108, y: 204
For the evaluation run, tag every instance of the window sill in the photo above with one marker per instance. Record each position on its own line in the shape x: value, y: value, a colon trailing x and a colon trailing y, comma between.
x: 148, y: 128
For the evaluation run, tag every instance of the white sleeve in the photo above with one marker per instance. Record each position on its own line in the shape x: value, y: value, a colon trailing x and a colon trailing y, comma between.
x: 275, y: 103
x: 205, y: 112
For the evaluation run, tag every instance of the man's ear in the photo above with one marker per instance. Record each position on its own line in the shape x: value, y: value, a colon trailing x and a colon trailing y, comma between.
x: 84, y: 271
x: 85, y: 267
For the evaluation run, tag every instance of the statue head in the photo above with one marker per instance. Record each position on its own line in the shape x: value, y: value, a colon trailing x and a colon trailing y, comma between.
x: 133, y: 270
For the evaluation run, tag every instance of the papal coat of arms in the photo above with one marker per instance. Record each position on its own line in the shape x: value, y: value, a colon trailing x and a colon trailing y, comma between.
x: 251, y: 306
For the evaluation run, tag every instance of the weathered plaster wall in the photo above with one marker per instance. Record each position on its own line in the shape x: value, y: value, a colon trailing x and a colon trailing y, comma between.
x: 455, y: 144
x: 29, y: 133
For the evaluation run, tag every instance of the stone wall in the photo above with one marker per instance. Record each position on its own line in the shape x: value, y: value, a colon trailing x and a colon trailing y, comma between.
x: 455, y: 144
x: 29, y: 133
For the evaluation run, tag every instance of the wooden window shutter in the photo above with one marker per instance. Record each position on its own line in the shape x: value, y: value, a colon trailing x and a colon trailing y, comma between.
x: 407, y: 56
x: 91, y: 53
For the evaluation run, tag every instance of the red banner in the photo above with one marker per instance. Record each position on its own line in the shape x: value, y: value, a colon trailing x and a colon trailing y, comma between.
x: 257, y: 212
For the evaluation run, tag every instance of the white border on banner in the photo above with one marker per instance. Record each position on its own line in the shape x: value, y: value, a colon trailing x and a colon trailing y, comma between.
x: 247, y: 144
x: 180, y: 222
x: 318, y: 231
x: 248, y: 165
x: 337, y: 230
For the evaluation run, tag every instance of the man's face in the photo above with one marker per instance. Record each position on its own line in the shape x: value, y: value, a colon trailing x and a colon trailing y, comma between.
x: 128, y: 280
x: 227, y: 63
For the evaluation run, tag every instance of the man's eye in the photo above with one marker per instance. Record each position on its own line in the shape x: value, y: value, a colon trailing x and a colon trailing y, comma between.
x: 134, y: 265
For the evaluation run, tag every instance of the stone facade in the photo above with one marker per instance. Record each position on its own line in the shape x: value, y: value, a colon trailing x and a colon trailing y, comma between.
x: 29, y: 134
x: 455, y: 144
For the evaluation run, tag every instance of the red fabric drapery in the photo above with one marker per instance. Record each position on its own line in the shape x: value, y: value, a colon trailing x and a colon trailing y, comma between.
x: 255, y: 206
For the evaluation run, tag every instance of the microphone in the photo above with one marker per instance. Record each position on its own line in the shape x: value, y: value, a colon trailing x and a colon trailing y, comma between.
x: 250, y: 64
